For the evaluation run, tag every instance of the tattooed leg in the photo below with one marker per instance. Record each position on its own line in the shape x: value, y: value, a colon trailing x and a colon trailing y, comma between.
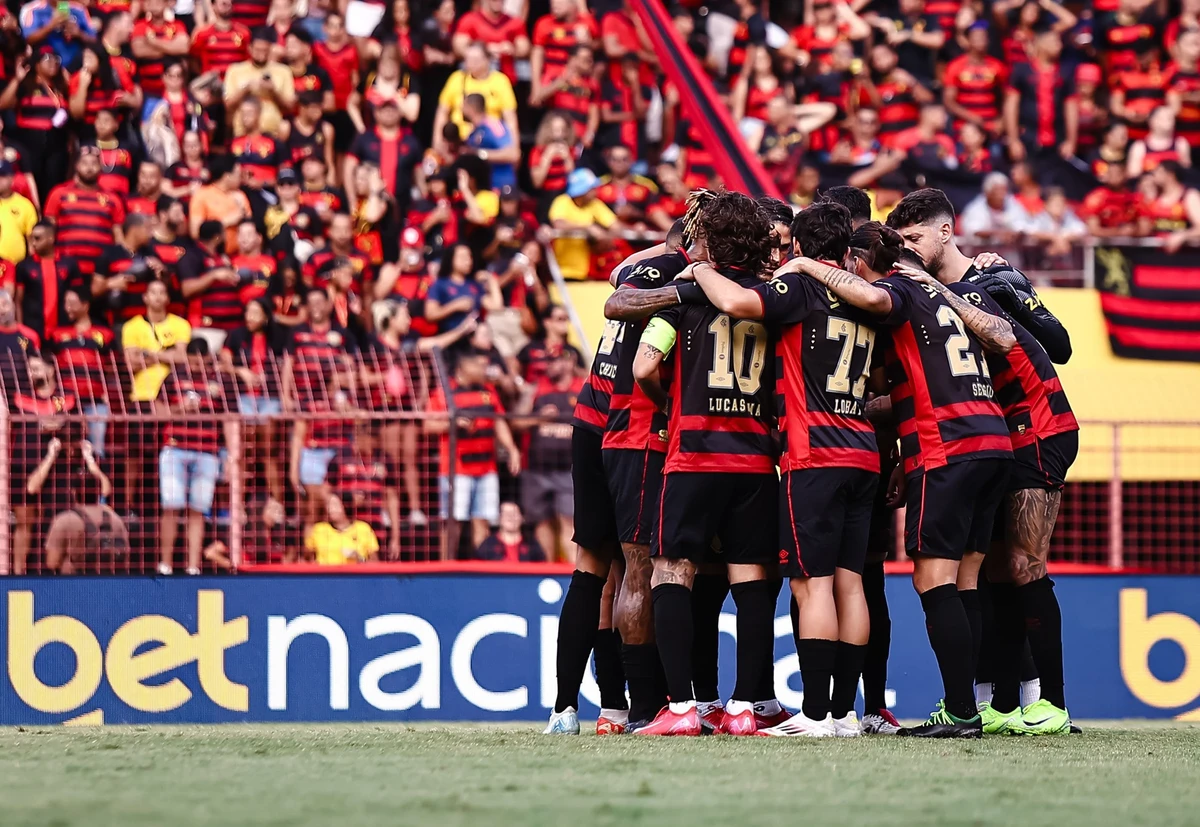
x: 1032, y: 514
x: 672, y: 573
x: 634, y: 618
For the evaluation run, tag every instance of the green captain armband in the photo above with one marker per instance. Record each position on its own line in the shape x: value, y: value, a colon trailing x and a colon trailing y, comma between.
x: 659, y: 335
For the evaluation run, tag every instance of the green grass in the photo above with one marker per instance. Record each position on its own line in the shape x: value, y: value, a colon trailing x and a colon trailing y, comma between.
x: 488, y: 775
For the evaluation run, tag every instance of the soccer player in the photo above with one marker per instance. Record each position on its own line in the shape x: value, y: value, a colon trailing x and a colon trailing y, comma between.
x: 830, y: 465
x: 956, y: 455
x: 720, y: 468
x: 1045, y: 441
x: 596, y: 531
x: 853, y: 199
x: 780, y: 213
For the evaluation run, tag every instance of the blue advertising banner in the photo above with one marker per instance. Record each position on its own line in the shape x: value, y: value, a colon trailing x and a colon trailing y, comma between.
x: 472, y: 647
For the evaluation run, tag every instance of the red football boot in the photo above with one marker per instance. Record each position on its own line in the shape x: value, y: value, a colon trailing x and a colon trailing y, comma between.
x: 738, y: 720
x: 672, y: 723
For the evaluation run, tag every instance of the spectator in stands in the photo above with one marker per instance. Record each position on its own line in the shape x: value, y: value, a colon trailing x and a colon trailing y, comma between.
x: 1057, y: 229
x: 210, y: 285
x: 579, y: 212
x: 253, y: 355
x: 1161, y: 143
x: 87, y: 218
x: 555, y: 36
x: 63, y: 28
x: 220, y: 200
x: 1139, y: 90
x: 502, y: 38
x: 155, y: 39
x: 975, y: 152
x: 341, y: 540
x: 1174, y: 213
x: 628, y: 195
x: 804, y: 186
x: 1183, y: 93
x: 537, y: 357
x: 188, y: 464
x: 367, y: 473
x: 83, y: 352
x: 390, y: 147
x: 86, y: 528
x: 389, y: 82
x: 39, y: 93
x: 1041, y: 115
x: 916, y: 35
x: 476, y: 77
x: 263, y: 78
x: 124, y: 269
x: 671, y: 203
x: 499, y: 372
x: 1112, y: 209
x: 40, y: 281
x: 460, y: 290
x: 576, y: 93
x: 508, y: 544
x: 148, y: 189
x: 1027, y: 189
x: 222, y: 42
x: 995, y: 215
x: 469, y: 483
x: 1094, y: 115
x: 546, y: 487
x: 553, y: 158
x: 17, y: 216
x: 927, y: 145
x: 152, y: 343
x: 492, y: 142
x: 973, y: 83
x: 625, y: 101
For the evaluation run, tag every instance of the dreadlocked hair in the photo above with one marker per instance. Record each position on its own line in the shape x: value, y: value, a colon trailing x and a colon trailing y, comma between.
x: 696, y: 202
x: 737, y: 231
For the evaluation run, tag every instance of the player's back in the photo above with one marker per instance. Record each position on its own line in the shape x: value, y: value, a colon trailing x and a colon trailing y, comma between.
x: 823, y: 357
x: 722, y: 386
x: 942, y: 393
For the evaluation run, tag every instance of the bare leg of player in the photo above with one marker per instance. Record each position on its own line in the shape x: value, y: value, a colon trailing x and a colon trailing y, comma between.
x: 1032, y: 514
x: 635, y: 621
x: 610, y: 675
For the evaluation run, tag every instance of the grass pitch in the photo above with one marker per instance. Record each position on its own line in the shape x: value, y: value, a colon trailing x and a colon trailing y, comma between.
x: 488, y: 775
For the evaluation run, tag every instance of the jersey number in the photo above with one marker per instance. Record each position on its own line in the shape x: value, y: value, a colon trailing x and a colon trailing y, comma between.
x: 958, y: 346
x: 852, y: 335
x: 614, y: 332
x: 729, y: 354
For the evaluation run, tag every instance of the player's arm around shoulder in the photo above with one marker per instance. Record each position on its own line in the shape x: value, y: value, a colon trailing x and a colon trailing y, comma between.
x: 849, y: 287
x: 657, y: 341
x: 727, y: 296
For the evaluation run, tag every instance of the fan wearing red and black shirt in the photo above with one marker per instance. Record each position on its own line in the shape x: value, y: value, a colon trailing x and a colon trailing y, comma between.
x: 629, y: 196
x: 1041, y: 113
x: 555, y: 37
x: 260, y: 155
x: 156, y: 38
x: 83, y: 352
x: 255, y: 268
x: 953, y: 437
x: 87, y: 218
x: 222, y: 42
x: 894, y: 93
x: 719, y: 475
x: 124, y: 270
x: 116, y: 156
x: 42, y: 278
x: 308, y: 76
x: 576, y: 93
x: 508, y: 544
x: 1120, y: 35
x: 1138, y: 90
x: 389, y: 146
x: 502, y: 37
x: 340, y: 246
x: 973, y: 83
x: 210, y: 284
x: 536, y: 356
x: 1183, y: 91
x: 149, y: 189
x: 624, y: 101
x: 830, y: 461
x: 1112, y: 209
x: 369, y: 477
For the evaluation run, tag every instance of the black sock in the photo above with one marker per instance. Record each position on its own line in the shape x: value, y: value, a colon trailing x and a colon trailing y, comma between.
x: 578, y: 623
x: 766, y: 682
x: 673, y: 630
x: 610, y: 675
x: 984, y: 664
x: 1043, y: 626
x: 1028, y: 667
x: 641, y: 666
x: 755, y: 633
x: 950, y: 636
x: 818, y: 658
x: 847, y: 669
x: 970, y: 601
x: 794, y: 611
x: 708, y: 597
x: 1010, y: 640
x: 879, y: 644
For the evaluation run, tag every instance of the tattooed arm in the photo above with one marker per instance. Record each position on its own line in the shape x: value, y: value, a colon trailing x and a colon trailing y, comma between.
x: 628, y: 305
x: 657, y: 340
x: 848, y: 287
x: 993, y: 332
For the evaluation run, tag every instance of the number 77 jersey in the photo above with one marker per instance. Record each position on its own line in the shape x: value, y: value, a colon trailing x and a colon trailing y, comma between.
x: 823, y: 357
x: 723, y: 379
x: 942, y: 394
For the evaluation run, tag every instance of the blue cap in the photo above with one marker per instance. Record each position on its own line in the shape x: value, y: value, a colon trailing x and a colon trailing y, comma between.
x: 979, y: 26
x: 581, y: 182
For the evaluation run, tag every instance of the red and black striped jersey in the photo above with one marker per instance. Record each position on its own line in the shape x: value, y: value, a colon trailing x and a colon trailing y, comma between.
x: 979, y: 86
x: 898, y: 109
x: 1120, y: 39
x: 217, y: 49
x: 85, y: 217
x: 40, y: 285
x: 301, y: 145
x: 1187, y: 122
x: 819, y: 45
x: 747, y: 34
x: 634, y: 421
x: 558, y: 38
x: 83, y: 356
x: 116, y: 167
x: 255, y: 273
x: 117, y: 260
x: 556, y: 174
x: 1144, y: 92
x: 331, y: 197
x: 823, y: 356
x: 260, y: 157
x: 194, y: 402
x: 367, y: 478
x: 475, y: 445
x: 99, y: 97
x: 316, y: 270
x: 700, y: 167
x: 942, y: 393
x: 721, y: 401
x: 318, y: 356
x: 220, y: 304
x: 251, y: 13
x: 1028, y: 388
x: 150, y: 69
x: 576, y: 100
x: 36, y: 110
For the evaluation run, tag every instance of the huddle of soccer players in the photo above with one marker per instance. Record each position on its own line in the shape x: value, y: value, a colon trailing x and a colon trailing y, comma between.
x: 768, y: 387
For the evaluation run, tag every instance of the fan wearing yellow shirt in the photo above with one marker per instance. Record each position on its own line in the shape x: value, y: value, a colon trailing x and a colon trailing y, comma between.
x: 579, y: 209
x: 341, y: 540
x: 17, y: 217
x: 477, y: 77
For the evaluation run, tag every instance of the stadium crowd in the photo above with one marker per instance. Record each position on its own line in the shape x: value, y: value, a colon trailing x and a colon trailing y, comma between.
x: 299, y: 226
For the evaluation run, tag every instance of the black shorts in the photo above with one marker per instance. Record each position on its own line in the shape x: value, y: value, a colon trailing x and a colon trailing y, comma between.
x: 825, y: 520
x: 635, y: 481
x: 1044, y: 464
x: 950, y: 510
x: 739, y: 508
x: 882, y: 540
x: 595, y: 520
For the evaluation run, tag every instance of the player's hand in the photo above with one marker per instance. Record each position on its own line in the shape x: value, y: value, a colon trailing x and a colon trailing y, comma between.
x: 921, y: 277
x: 988, y: 259
x: 895, y: 488
x: 998, y: 289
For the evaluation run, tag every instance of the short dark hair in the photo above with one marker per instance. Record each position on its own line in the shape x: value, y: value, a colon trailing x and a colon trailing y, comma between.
x: 197, y: 347
x: 853, y: 199
x: 921, y: 207
x: 910, y: 259
x: 1172, y: 168
x: 736, y: 231
x: 165, y: 202
x: 210, y: 230
x: 823, y: 231
x: 219, y: 166
x: 134, y: 220
x: 778, y: 211
x: 47, y: 224
x: 878, y: 245
x: 677, y: 235
x: 475, y: 101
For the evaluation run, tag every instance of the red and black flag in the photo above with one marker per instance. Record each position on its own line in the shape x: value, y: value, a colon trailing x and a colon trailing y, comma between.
x: 1151, y: 301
